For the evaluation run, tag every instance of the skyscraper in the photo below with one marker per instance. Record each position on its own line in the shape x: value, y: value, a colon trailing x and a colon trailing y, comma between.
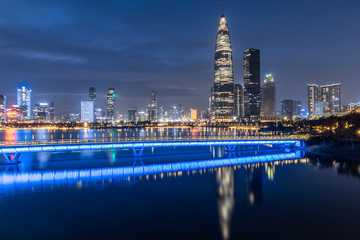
x: 154, y: 97
x: 24, y: 101
x: 87, y: 111
x: 252, y: 85
x: 313, y: 98
x: 111, y: 104
x: 330, y: 98
x: 2, y: 108
x: 268, y: 96
x: 92, y: 96
x: 324, y: 99
x: 239, y: 102
x: 132, y: 114
x: 223, y: 74
x: 41, y: 112
x: 52, y: 112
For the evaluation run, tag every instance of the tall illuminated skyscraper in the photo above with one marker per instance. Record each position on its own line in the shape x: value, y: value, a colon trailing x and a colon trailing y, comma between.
x: 268, y: 96
x: 24, y: 101
x: 92, y: 96
x: 111, y: 104
x: 87, y: 111
x: 313, y: 98
x: 223, y: 75
x: 252, y: 99
x: 330, y: 98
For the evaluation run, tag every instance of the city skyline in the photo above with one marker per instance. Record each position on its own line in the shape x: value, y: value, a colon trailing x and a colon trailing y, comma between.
x: 54, y: 53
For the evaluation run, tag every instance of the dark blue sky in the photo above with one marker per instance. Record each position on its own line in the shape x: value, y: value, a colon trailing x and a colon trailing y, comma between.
x: 61, y: 48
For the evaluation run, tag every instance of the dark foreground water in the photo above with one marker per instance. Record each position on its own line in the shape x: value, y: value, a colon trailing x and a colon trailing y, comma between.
x: 301, y: 198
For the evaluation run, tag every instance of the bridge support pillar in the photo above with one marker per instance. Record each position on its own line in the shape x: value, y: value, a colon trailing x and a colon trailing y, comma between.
x: 11, y: 158
x: 230, y: 148
x: 138, y: 152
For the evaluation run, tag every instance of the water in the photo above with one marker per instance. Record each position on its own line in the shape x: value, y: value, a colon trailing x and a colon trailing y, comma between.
x: 303, y: 197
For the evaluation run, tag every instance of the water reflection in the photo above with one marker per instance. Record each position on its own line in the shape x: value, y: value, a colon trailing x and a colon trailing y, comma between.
x: 253, y: 180
x: 225, y: 186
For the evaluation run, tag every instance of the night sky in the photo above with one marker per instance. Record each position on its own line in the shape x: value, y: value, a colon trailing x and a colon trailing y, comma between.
x: 61, y: 48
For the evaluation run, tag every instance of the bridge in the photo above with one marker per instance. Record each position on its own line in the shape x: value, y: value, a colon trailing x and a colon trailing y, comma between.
x: 35, y: 179
x: 11, y: 151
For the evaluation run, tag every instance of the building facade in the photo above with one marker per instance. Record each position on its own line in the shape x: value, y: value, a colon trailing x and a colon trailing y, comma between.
x: 287, y: 109
x: 268, y: 97
x: 330, y: 98
x: 111, y: 104
x: 52, y: 112
x: 41, y: 112
x: 324, y: 99
x: 239, y: 102
x: 2, y: 108
x: 252, y: 93
x: 92, y: 97
x: 24, y: 101
x: 132, y: 114
x: 87, y: 111
x: 223, y: 75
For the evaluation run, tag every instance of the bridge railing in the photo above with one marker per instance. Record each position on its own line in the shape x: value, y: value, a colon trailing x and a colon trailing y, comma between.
x: 146, y: 139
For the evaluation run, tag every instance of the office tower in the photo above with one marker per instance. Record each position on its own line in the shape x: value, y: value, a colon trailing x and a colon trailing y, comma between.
x: 15, y: 113
x: 268, y: 96
x: 313, y: 98
x: 92, y: 97
x: 239, y: 101
x: 151, y: 113
x: 87, y: 111
x: 52, y: 112
x: 252, y: 85
x: 330, y: 98
x: 24, y: 101
x: 223, y: 75
x: 2, y: 108
x: 111, y: 104
x: 287, y: 109
x: 41, y: 112
x: 132, y: 114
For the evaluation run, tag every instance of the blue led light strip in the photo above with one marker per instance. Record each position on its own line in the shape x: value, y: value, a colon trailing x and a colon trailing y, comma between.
x: 102, y: 146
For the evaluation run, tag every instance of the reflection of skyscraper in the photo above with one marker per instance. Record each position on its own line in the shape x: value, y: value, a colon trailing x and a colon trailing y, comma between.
x: 223, y: 74
x: 111, y: 104
x: 24, y: 101
x: 253, y: 181
x: 225, y: 185
x: 252, y: 85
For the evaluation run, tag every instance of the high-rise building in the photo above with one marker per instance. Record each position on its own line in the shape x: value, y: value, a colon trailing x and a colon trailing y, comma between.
x: 52, y: 112
x: 313, y: 98
x: 41, y: 112
x: 24, y: 101
x: 87, y: 111
x: 2, y: 108
x: 330, y: 98
x: 252, y: 99
x: 324, y: 99
x: 223, y: 75
x: 239, y: 101
x: 111, y: 104
x: 287, y: 109
x: 268, y: 96
x: 132, y: 114
x: 92, y: 96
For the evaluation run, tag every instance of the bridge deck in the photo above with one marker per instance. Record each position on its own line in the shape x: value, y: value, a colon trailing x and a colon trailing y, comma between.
x: 11, y: 153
